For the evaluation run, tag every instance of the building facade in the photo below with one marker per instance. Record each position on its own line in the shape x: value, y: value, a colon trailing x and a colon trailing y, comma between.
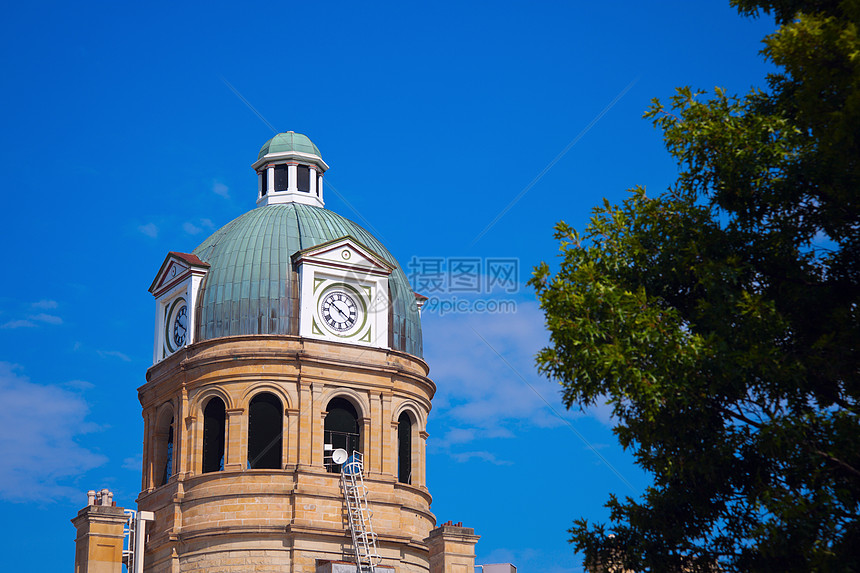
x: 289, y: 333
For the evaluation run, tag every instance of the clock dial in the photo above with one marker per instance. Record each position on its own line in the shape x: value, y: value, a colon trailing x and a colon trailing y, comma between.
x: 176, y: 326
x: 339, y: 311
x: 180, y: 326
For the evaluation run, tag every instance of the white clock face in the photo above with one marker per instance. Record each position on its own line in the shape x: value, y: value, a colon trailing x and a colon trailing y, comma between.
x: 176, y: 326
x: 340, y: 311
x: 180, y: 326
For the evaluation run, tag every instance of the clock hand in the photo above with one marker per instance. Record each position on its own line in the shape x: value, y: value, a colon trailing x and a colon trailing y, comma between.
x: 339, y: 311
x: 344, y: 312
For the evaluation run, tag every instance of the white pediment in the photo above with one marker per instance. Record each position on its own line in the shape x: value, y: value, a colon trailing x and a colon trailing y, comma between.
x: 176, y: 268
x: 345, y: 253
x: 175, y: 288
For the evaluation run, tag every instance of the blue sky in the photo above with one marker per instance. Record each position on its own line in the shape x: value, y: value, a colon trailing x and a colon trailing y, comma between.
x: 121, y: 140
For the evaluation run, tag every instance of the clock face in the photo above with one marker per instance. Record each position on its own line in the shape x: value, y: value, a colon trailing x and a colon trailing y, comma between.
x: 180, y: 326
x: 339, y: 310
x: 176, y: 326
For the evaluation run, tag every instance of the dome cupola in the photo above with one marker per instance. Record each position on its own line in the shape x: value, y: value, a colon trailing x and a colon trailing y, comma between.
x: 290, y: 267
x: 290, y: 170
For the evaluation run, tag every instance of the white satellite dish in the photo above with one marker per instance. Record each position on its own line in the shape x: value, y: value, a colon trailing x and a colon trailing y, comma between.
x: 339, y: 456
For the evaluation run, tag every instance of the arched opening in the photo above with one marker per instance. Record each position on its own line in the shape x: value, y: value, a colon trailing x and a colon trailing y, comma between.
x: 162, y: 462
x: 303, y: 178
x: 265, y: 432
x: 168, y: 454
x: 214, y: 418
x: 404, y: 448
x: 282, y: 182
x: 340, y: 431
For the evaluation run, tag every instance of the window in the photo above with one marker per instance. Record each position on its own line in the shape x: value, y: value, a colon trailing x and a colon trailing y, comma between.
x: 264, y: 181
x: 404, y: 448
x: 281, y: 178
x: 168, y: 455
x: 340, y: 431
x: 214, y: 417
x: 265, y: 431
x: 304, y: 178
x: 162, y: 462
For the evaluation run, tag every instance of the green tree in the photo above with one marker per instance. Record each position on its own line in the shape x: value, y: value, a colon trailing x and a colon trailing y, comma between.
x: 720, y: 319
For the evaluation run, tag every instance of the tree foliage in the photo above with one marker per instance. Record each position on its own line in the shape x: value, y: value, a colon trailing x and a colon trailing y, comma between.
x: 720, y: 319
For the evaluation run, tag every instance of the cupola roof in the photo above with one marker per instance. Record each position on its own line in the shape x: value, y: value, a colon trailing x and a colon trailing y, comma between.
x: 251, y: 286
x: 289, y: 142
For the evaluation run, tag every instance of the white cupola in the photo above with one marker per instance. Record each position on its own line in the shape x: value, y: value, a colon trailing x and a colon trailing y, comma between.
x: 290, y: 170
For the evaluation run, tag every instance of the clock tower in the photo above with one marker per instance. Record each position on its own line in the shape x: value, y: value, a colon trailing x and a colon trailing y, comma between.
x: 289, y: 333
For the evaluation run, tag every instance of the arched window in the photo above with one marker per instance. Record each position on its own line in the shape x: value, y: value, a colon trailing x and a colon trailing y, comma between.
x: 341, y: 431
x: 167, y: 455
x: 162, y: 455
x: 214, y: 417
x: 265, y: 431
x: 404, y: 448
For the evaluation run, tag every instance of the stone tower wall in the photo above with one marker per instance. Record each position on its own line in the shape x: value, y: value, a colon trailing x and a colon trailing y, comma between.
x: 241, y: 519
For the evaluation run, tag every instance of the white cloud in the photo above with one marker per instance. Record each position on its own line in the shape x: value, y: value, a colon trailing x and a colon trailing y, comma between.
x: 79, y: 385
x: 134, y: 463
x: 114, y: 354
x: 19, y: 324
x: 207, y: 223
x: 47, y: 318
x: 483, y: 456
x: 487, y: 382
x: 150, y: 230
x: 41, y: 454
x: 45, y: 304
x: 220, y: 189
x: 191, y: 228
x: 479, y: 362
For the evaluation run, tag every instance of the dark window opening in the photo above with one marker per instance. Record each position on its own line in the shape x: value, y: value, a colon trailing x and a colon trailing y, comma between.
x: 265, y: 431
x: 404, y: 448
x: 304, y: 178
x: 168, y: 456
x: 282, y: 182
x: 264, y: 182
x: 214, y: 418
x: 340, y: 431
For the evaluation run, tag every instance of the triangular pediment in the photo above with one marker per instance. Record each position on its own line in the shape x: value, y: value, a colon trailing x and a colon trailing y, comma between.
x: 345, y: 253
x: 176, y: 268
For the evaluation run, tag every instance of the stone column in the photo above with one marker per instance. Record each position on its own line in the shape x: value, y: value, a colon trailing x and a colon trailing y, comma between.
x: 193, y: 459
x: 305, y: 424
x: 388, y: 441
x: 422, y: 460
x: 289, y: 455
x: 235, y: 458
x: 452, y: 548
x: 374, y: 432
x: 98, y: 545
x: 147, y: 480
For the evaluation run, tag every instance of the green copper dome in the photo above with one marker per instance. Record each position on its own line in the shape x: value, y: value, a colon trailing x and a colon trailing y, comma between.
x: 252, y: 288
x: 289, y: 141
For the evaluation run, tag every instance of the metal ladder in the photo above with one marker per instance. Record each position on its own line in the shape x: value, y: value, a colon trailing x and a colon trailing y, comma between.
x: 129, y: 538
x: 355, y: 492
